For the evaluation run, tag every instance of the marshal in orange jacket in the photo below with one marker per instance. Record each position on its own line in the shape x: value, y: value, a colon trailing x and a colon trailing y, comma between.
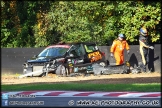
x: 117, y: 49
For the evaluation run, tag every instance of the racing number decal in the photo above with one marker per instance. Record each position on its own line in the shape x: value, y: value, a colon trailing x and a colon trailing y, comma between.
x: 95, y: 56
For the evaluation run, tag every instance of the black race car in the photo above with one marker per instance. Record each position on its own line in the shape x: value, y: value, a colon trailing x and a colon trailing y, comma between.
x: 65, y: 59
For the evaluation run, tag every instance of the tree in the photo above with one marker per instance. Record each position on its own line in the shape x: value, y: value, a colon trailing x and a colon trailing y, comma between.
x: 40, y: 23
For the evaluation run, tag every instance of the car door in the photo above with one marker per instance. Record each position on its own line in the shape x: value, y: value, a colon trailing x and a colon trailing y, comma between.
x: 92, y: 52
x: 77, y: 53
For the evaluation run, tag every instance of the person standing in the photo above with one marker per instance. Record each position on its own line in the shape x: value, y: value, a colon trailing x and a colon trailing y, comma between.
x: 117, y: 49
x: 144, y: 47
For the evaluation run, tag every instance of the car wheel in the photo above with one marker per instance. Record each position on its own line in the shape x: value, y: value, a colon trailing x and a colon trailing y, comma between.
x: 61, y: 70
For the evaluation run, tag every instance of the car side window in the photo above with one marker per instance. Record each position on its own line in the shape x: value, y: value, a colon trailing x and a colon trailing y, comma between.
x: 77, y: 50
x: 44, y: 53
x: 72, y: 51
x: 52, y: 52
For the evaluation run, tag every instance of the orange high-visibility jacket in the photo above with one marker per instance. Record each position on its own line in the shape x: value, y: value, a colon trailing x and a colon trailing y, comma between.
x: 119, y: 46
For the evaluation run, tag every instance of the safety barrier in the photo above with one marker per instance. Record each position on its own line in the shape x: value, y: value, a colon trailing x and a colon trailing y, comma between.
x: 13, y: 58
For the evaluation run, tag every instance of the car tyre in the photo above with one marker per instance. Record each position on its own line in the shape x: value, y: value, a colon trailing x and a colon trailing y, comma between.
x: 61, y: 70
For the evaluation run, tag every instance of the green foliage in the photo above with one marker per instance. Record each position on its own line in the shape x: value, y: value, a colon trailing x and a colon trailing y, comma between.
x: 40, y: 23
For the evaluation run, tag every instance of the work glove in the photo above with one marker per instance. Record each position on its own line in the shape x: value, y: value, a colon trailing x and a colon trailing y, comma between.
x: 111, y: 54
x: 128, y: 51
x: 151, y: 47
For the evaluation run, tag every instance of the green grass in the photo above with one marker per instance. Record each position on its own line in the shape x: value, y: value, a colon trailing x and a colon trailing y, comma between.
x: 146, y: 87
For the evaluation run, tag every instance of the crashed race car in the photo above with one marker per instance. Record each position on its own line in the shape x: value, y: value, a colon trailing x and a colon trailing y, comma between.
x: 71, y: 60
x: 64, y: 59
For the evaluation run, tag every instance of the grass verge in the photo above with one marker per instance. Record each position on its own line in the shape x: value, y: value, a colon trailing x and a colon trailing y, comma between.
x: 146, y: 87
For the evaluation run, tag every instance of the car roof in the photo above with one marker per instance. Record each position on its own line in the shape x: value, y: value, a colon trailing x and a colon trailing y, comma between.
x: 60, y: 46
x: 84, y: 43
x: 67, y: 45
x: 87, y: 43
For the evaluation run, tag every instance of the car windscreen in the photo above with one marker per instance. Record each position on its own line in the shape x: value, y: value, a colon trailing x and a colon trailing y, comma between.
x: 53, y: 52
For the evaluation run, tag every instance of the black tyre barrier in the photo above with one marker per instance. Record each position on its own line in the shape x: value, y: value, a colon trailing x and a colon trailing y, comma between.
x: 12, y: 59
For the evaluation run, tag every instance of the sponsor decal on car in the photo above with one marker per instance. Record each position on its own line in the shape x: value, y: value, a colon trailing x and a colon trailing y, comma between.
x: 95, y: 56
